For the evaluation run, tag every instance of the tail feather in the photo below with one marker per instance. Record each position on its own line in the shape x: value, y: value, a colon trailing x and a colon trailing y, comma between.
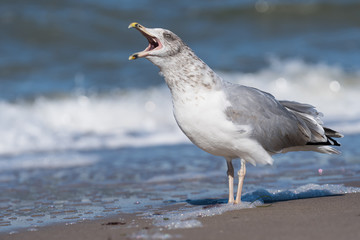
x: 321, y: 136
x: 332, y: 133
x: 328, y: 150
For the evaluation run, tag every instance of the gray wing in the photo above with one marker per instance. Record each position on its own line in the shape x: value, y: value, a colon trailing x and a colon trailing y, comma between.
x: 274, y: 127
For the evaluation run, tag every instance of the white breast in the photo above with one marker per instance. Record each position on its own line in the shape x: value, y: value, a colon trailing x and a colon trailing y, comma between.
x: 201, y: 117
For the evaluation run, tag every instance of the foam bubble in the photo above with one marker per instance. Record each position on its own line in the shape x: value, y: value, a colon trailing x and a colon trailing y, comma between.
x: 262, y: 6
x: 335, y: 86
x: 146, y: 234
x: 190, y: 217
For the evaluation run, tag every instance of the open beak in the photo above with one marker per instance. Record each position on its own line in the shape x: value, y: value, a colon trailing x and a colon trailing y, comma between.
x: 154, y: 43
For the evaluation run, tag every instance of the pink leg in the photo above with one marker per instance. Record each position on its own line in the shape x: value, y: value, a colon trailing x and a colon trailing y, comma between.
x: 230, y: 173
x: 241, y: 174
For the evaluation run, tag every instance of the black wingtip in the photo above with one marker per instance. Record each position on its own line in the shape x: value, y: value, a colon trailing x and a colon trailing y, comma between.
x: 330, y: 141
x: 335, y: 143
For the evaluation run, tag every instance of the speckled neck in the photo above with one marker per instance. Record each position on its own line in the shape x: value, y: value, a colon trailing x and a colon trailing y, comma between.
x: 185, y: 72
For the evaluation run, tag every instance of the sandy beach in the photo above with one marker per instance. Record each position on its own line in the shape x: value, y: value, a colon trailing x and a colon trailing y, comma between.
x: 333, y: 217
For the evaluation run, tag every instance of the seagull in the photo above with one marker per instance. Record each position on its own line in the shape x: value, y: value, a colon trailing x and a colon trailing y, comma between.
x: 231, y: 120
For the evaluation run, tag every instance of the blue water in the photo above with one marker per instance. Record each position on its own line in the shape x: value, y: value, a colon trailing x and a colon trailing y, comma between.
x: 86, y: 133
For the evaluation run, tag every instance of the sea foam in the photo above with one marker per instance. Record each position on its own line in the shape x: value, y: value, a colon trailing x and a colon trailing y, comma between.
x: 190, y: 217
x: 144, y: 117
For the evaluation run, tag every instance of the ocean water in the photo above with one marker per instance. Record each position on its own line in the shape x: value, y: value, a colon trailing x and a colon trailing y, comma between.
x: 86, y: 134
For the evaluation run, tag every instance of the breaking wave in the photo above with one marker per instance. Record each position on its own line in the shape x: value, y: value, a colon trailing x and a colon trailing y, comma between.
x: 144, y: 117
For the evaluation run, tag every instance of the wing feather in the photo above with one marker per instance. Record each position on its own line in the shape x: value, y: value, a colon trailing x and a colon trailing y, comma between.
x: 274, y: 126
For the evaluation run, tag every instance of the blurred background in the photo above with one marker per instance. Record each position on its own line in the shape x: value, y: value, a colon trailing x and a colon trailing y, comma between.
x: 69, y: 97
x: 66, y: 81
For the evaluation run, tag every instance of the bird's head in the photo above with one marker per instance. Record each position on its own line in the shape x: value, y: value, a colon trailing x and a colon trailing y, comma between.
x: 162, y: 44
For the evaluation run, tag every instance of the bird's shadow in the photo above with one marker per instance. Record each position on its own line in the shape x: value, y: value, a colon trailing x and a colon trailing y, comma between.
x: 265, y: 196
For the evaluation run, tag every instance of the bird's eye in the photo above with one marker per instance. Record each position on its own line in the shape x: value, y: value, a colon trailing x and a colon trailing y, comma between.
x: 168, y: 36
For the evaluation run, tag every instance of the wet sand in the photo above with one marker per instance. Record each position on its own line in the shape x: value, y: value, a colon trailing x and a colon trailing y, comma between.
x: 333, y: 217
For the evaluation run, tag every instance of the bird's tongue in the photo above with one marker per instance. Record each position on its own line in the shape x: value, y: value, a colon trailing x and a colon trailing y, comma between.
x: 153, y: 43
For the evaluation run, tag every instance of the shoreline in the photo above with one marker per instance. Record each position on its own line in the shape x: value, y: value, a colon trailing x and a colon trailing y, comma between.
x: 330, y: 217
